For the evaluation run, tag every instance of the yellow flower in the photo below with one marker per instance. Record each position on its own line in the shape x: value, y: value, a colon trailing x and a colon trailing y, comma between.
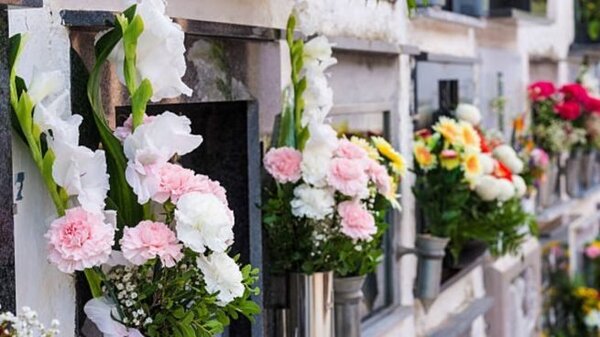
x: 449, y: 159
x: 423, y: 156
x: 472, y: 167
x: 448, y: 128
x: 364, y: 144
x: 469, y: 137
x: 387, y: 150
x: 392, y: 196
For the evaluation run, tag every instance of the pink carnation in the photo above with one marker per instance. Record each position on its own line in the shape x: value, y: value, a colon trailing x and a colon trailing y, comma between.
x: 148, y: 240
x: 283, y: 164
x: 349, y: 177
x: 592, y: 251
x: 122, y: 132
x: 175, y: 181
x: 79, y: 240
x: 357, y: 222
x: 349, y: 150
x: 204, y: 184
x: 379, y: 175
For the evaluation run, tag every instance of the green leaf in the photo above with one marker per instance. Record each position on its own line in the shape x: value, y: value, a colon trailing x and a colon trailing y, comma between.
x: 287, y: 135
x: 139, y: 101
x: 120, y: 192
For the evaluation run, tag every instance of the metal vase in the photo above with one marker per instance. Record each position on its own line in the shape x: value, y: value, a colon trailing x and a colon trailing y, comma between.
x: 347, y: 296
x: 311, y: 305
x: 572, y: 173
x: 431, y: 252
x: 547, y: 188
x: 588, y: 166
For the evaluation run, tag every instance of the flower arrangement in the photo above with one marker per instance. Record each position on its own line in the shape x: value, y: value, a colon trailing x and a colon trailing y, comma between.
x: 151, y: 237
x: 559, y: 115
x: 469, y: 189
x: 26, y: 324
x: 326, y: 207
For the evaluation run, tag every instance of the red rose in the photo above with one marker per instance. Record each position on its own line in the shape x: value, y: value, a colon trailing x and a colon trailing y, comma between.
x: 592, y: 105
x: 541, y: 90
x: 574, y: 92
x: 568, y: 110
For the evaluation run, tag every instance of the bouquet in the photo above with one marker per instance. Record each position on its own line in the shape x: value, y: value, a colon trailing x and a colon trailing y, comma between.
x: 325, y: 209
x: 558, y: 115
x: 470, y: 191
x: 151, y: 237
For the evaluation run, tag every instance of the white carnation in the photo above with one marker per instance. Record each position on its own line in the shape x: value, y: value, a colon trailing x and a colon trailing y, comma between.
x: 311, y: 202
x: 160, y: 56
x: 468, y: 113
x: 203, y: 221
x: 487, y: 163
x: 222, y: 276
x: 520, y: 185
x: 487, y: 188
x: 508, y: 157
x: 506, y: 189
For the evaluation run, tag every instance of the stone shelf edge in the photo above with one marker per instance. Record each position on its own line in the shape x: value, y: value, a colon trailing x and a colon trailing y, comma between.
x: 97, y: 20
x: 22, y: 3
x: 457, y: 325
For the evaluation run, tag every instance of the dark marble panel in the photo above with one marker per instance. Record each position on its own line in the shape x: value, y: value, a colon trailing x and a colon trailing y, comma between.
x: 7, y: 239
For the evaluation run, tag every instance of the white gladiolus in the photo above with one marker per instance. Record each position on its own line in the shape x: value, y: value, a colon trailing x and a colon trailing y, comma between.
x: 203, y: 221
x: 487, y: 163
x: 318, y: 97
x: 151, y: 145
x: 55, y: 116
x: 520, y: 185
x: 311, y: 202
x: 506, y: 189
x: 508, y: 156
x: 487, y: 188
x: 317, y: 154
x: 82, y: 173
x: 160, y: 54
x: 468, y: 113
x: 44, y: 84
x: 101, y: 311
x: 222, y: 276
x: 317, y: 53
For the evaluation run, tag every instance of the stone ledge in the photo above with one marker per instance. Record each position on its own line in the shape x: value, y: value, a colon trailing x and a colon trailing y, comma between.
x: 458, y: 324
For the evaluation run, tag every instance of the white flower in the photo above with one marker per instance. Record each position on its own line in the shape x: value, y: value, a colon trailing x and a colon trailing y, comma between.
x: 203, y: 221
x: 160, y: 51
x: 487, y: 163
x: 317, y: 54
x: 44, y: 84
x: 101, y: 311
x: 592, y: 319
x: 318, y: 97
x: 311, y: 202
x: 520, y: 185
x: 222, y: 276
x: 317, y: 154
x: 487, y: 188
x: 468, y: 113
x: 509, y: 157
x: 506, y: 189
x: 308, y: 23
x: 82, y: 173
x: 56, y: 121
x: 151, y: 145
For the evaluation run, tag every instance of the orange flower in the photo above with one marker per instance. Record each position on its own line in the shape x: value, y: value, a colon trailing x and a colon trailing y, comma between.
x: 472, y: 167
x: 448, y: 128
x: 469, y: 137
x: 423, y: 156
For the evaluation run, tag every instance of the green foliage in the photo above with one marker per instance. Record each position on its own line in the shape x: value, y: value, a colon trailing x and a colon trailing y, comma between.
x: 290, y: 240
x: 121, y: 195
x: 176, y: 299
x: 590, y: 15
